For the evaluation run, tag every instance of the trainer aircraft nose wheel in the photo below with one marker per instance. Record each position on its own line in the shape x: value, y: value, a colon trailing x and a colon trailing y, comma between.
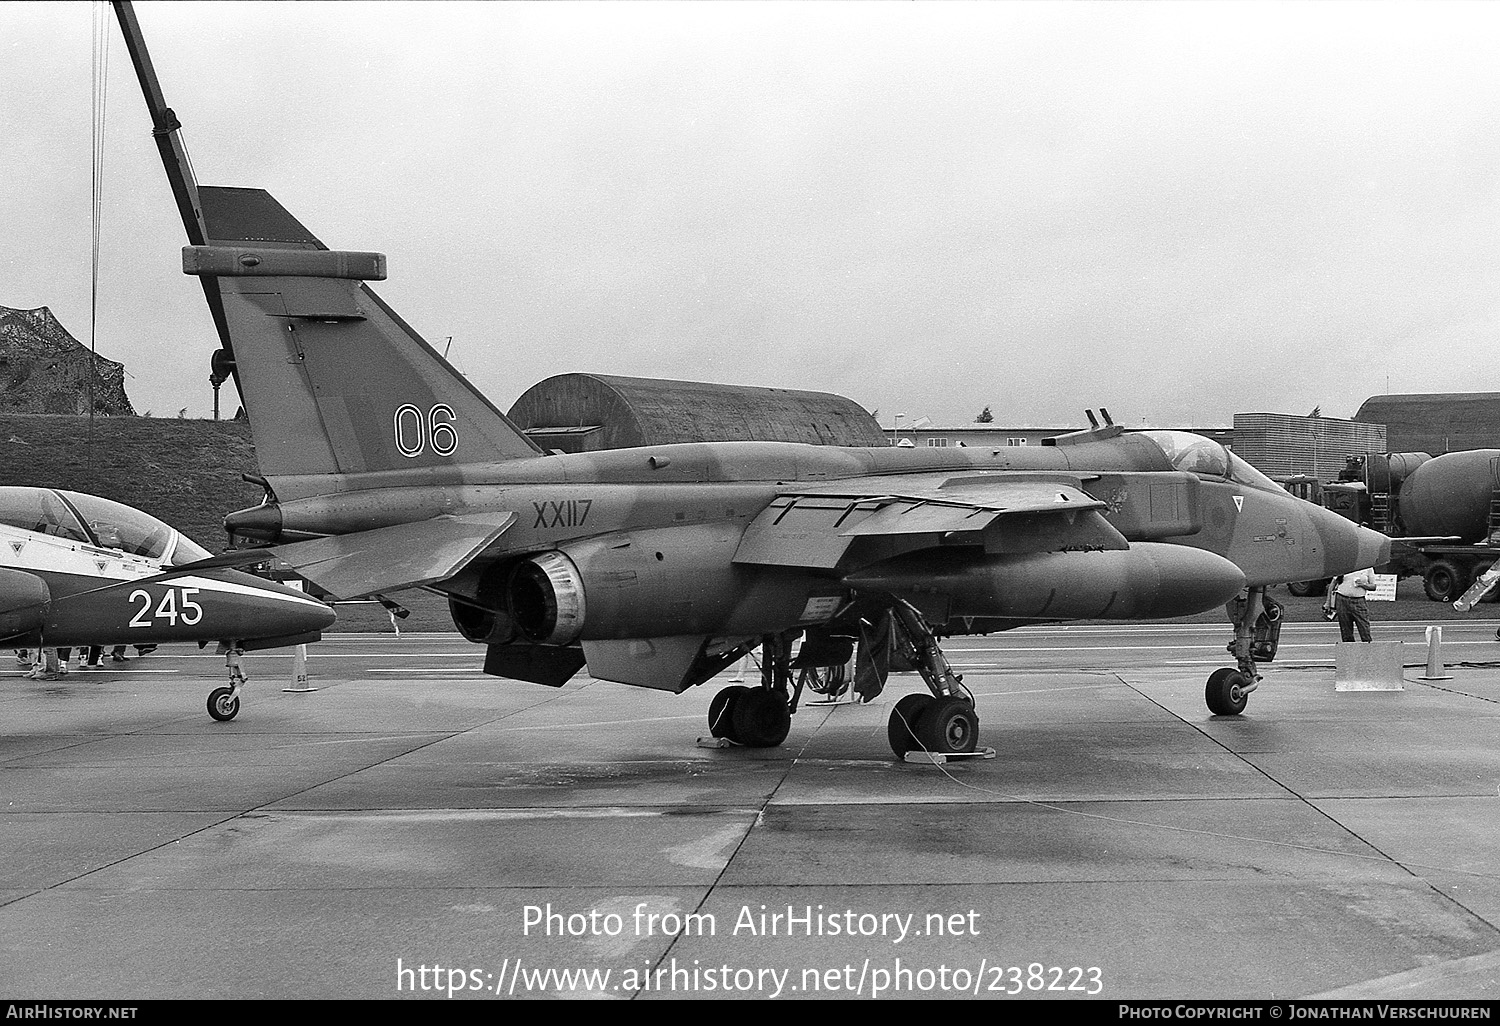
x: 223, y: 704
x: 1225, y: 693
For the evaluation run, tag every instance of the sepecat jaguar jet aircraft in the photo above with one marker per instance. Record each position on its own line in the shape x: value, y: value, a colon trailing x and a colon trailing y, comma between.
x: 79, y: 570
x: 661, y: 566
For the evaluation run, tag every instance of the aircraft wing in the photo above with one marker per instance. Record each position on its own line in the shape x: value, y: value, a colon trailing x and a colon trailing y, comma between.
x: 350, y: 566
x: 819, y: 527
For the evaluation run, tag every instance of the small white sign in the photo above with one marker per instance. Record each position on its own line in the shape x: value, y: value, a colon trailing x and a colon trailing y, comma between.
x: 820, y: 607
x: 1385, y: 589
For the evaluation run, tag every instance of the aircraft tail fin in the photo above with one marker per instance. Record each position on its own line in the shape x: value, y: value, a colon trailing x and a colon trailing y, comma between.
x: 333, y: 381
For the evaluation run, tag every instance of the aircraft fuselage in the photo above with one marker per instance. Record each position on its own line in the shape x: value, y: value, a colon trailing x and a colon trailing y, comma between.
x: 658, y: 541
x: 1271, y: 535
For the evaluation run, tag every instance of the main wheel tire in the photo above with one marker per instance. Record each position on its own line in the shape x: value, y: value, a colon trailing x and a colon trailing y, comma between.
x: 761, y: 718
x: 1223, y: 693
x: 1444, y: 581
x: 902, y: 729
x: 221, y: 706
x: 721, y: 711
x: 949, y: 726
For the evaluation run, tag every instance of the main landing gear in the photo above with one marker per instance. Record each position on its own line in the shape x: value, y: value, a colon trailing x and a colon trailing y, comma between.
x: 944, y: 722
x: 1257, y: 631
x: 224, y: 703
x: 758, y: 717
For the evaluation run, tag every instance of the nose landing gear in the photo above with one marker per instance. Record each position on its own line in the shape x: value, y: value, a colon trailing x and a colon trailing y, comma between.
x: 1227, y: 692
x: 224, y: 703
x: 1257, y: 632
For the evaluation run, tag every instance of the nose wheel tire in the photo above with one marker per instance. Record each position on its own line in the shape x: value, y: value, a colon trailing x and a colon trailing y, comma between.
x: 1225, y: 692
x: 222, y: 704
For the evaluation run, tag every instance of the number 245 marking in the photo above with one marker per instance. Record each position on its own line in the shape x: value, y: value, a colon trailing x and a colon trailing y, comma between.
x: 170, y: 608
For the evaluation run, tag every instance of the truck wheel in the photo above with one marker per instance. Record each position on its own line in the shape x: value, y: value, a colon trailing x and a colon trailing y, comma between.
x: 1444, y: 581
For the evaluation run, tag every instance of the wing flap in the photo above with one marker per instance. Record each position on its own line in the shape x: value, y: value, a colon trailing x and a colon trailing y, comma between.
x: 803, y: 530
x: 918, y: 516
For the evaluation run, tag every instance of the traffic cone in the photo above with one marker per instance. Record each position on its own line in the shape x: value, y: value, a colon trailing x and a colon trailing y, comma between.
x: 1435, y: 656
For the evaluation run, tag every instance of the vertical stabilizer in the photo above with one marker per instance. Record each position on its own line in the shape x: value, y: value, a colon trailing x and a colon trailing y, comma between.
x: 333, y: 381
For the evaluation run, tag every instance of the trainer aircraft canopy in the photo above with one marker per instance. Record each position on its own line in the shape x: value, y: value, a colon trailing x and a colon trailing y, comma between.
x: 96, y: 521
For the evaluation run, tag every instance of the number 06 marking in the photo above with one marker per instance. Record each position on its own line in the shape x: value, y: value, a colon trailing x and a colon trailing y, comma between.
x: 415, y: 433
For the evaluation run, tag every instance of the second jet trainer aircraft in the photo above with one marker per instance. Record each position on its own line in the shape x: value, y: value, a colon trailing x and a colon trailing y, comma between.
x: 80, y: 570
x: 660, y: 566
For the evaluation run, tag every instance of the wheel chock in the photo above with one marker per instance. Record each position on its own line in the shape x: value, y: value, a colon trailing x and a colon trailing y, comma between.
x: 937, y: 759
x: 714, y: 742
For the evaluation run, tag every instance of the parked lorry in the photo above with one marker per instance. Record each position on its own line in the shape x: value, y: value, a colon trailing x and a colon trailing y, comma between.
x: 1442, y: 512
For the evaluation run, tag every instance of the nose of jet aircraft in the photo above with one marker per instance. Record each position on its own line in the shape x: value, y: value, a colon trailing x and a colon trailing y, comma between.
x: 312, y: 616
x: 263, y: 609
x: 1345, y: 546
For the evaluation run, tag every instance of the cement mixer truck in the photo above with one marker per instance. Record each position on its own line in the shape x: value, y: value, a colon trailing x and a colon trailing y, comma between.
x: 1443, y: 511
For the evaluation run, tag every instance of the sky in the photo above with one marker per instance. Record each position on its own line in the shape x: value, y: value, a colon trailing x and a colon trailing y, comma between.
x: 1178, y: 211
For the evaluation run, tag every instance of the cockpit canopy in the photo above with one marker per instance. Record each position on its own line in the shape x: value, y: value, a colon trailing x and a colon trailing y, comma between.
x: 1194, y: 454
x: 94, y: 521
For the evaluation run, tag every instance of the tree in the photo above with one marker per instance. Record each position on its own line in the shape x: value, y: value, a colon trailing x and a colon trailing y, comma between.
x: 985, y: 416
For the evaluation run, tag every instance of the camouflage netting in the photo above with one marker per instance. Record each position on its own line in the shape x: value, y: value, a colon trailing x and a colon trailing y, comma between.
x: 43, y: 369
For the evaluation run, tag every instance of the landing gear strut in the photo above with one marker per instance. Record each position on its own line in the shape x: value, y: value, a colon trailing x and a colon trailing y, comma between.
x: 224, y: 703
x: 1257, y: 626
x: 944, y: 722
